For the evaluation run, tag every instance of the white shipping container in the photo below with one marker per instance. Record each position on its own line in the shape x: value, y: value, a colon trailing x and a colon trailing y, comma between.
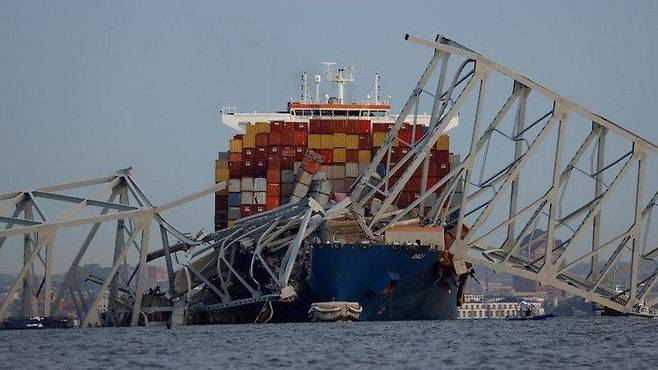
x: 339, y: 171
x: 247, y: 197
x: 234, y: 185
x: 300, y: 190
x: 260, y: 184
x: 351, y: 170
x: 247, y: 184
x: 260, y: 197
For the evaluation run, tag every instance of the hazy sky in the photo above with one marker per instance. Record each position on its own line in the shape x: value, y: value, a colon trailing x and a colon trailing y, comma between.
x: 89, y: 87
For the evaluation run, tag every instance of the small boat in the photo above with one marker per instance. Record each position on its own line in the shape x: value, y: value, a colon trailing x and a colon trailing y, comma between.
x: 528, y: 311
x: 37, y: 322
x: 531, y: 317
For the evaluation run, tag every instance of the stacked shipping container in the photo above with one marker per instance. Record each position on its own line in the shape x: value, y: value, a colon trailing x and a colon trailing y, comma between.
x: 262, y: 164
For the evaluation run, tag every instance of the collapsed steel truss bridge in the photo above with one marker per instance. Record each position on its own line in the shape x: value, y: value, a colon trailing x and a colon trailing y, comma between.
x: 548, y: 190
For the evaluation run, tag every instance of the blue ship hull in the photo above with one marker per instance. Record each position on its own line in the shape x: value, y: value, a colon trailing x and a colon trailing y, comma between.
x: 389, y: 282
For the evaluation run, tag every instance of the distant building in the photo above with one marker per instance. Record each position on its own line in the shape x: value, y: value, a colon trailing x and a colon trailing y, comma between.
x: 479, y: 307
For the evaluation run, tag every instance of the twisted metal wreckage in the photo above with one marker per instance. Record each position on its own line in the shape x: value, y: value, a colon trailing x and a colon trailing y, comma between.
x: 503, y: 221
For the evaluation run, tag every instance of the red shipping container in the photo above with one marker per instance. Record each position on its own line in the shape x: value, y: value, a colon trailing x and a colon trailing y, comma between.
x: 288, y: 151
x: 287, y: 137
x: 310, y: 166
x: 431, y: 181
x: 261, y: 139
x: 301, y: 127
x: 274, y: 162
x: 275, y: 126
x: 420, y: 131
x: 260, y: 167
x: 247, y: 167
x: 246, y: 211
x: 300, y: 151
x: 338, y: 126
x: 413, y: 184
x: 405, y: 127
x: 272, y: 202
x: 234, y: 169
x: 327, y: 155
x: 260, y: 208
x: 314, y: 126
x: 352, y: 156
x: 275, y: 138
x: 288, y: 163
x: 406, y: 198
x: 273, y: 176
x: 235, y: 157
x: 405, y: 136
x: 381, y: 126
x: 326, y: 126
x: 274, y: 150
x: 288, y: 126
x: 221, y: 202
x: 299, y: 138
x: 248, y: 154
x: 261, y: 153
x: 363, y: 126
x: 365, y: 141
x: 273, y: 189
x: 441, y: 156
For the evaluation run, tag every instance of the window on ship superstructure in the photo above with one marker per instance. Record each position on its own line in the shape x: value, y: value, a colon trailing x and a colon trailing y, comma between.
x: 306, y: 112
x: 316, y: 112
x: 340, y: 113
x: 353, y: 113
x: 325, y: 113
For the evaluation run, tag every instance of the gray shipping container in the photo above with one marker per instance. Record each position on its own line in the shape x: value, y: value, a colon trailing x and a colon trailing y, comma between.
x: 247, y: 184
x: 247, y: 197
x: 234, y: 185
x: 260, y: 184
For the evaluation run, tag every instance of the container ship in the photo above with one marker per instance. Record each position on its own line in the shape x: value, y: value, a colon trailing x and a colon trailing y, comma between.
x: 327, y: 143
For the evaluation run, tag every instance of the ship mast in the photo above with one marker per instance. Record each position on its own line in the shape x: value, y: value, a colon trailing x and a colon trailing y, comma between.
x: 341, y: 77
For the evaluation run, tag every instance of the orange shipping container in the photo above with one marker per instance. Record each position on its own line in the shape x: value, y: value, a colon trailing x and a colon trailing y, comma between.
x: 235, y: 157
x: 274, y: 176
x: 314, y: 141
x: 251, y: 130
x: 273, y: 189
x: 262, y: 139
x: 249, y: 141
x: 364, y: 156
x: 299, y: 138
x: 235, y: 146
x: 352, y: 141
x: 339, y: 155
x: 339, y: 140
x: 272, y: 202
x: 327, y: 141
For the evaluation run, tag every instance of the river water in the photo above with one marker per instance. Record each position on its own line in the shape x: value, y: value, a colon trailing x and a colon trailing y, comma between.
x: 560, y: 342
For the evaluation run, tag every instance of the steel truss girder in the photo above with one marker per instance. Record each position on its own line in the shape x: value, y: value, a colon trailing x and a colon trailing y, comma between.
x: 480, y: 246
x: 40, y: 235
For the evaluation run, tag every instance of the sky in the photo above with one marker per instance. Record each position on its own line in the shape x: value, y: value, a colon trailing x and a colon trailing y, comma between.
x: 88, y: 87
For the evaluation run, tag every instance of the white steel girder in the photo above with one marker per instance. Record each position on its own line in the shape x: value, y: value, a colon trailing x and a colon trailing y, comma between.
x: 134, y: 220
x: 578, y: 262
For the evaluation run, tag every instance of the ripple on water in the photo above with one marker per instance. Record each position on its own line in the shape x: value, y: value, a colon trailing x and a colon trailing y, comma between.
x: 563, y: 342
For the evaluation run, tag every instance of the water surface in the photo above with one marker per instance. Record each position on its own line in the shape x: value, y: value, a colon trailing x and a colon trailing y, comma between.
x: 561, y: 342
